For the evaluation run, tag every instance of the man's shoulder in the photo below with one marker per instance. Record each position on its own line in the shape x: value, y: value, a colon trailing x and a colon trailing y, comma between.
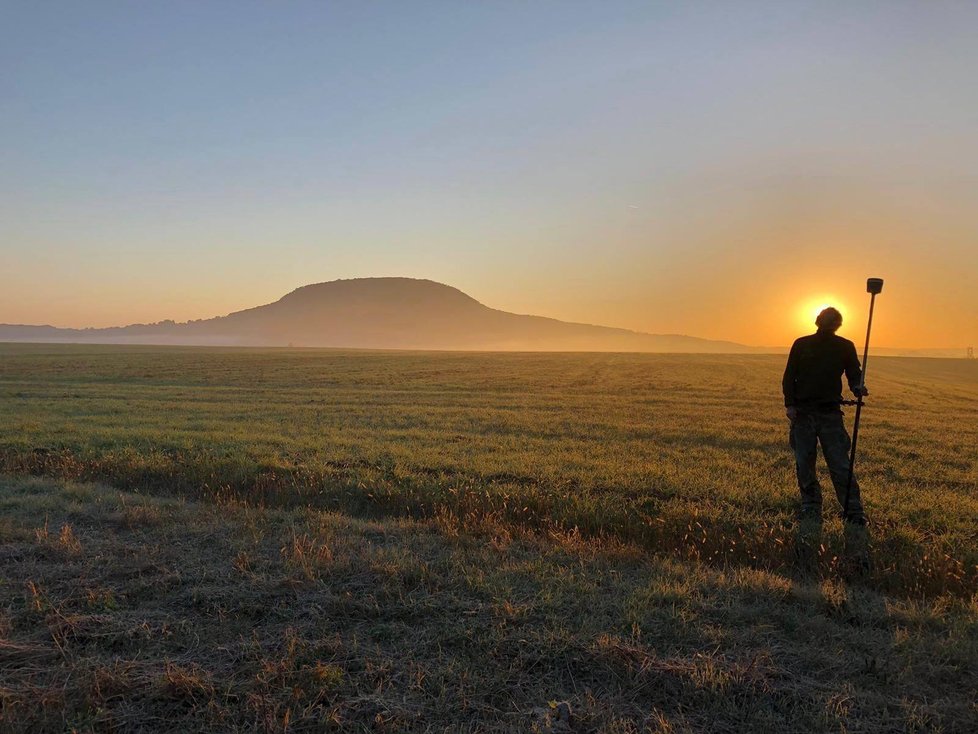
x: 819, y: 343
x: 843, y: 342
x: 803, y: 340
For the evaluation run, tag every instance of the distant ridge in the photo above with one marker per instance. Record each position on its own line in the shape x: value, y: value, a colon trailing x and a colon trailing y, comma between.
x: 381, y: 313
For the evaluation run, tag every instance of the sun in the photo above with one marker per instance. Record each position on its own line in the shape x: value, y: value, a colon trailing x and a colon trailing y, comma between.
x: 819, y: 308
x: 812, y: 307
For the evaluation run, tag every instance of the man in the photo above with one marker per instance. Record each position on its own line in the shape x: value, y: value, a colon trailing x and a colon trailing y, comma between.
x: 812, y: 387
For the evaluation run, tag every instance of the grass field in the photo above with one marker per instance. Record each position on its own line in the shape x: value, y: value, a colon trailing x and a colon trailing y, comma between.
x: 410, y: 541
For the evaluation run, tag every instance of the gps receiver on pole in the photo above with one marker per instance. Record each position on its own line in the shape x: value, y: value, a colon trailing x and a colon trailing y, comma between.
x: 874, y: 286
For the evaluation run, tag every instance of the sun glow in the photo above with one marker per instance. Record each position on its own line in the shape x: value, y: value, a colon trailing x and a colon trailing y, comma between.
x: 814, y: 306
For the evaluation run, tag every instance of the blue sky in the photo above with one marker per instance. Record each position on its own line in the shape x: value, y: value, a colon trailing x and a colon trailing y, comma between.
x: 705, y: 168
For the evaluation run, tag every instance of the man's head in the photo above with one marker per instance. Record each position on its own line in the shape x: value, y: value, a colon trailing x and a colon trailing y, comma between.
x: 829, y: 319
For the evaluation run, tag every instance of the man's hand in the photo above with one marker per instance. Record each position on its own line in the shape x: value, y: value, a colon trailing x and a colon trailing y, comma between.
x: 860, y: 391
x: 791, y: 413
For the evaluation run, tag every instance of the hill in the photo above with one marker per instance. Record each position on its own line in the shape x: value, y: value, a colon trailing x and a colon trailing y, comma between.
x: 380, y: 313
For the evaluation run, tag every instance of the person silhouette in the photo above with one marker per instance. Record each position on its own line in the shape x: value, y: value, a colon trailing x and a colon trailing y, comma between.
x: 812, y: 387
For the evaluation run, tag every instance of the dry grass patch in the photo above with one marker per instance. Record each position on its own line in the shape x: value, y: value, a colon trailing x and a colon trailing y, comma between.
x: 684, y: 455
x: 232, y: 618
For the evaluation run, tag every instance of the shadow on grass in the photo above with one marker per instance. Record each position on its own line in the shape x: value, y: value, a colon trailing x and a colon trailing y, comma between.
x: 123, y: 612
x: 682, y: 529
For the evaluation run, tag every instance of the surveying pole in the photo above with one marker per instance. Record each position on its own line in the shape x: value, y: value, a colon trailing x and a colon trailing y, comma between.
x: 874, y: 286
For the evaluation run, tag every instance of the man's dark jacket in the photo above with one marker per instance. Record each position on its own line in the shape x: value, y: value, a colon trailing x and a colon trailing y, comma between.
x: 813, y: 376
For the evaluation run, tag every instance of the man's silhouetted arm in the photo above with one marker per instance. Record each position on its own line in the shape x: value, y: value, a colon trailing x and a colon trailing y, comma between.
x: 854, y: 373
x: 788, y: 380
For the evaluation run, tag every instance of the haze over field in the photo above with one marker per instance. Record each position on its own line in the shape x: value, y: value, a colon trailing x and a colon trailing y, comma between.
x: 710, y: 169
x: 392, y: 313
x: 380, y: 313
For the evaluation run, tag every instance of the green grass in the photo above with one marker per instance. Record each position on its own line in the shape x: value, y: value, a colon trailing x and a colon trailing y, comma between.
x: 309, y: 540
x: 684, y: 455
x: 125, y: 612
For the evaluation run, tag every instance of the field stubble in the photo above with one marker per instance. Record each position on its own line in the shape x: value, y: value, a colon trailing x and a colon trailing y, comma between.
x: 123, y: 612
x: 681, y: 454
x: 315, y: 540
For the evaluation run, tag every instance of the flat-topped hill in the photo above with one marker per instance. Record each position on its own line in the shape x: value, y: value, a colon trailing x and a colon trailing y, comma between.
x: 381, y: 313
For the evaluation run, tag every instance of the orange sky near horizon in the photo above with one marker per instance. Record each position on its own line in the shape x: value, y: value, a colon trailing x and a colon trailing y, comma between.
x: 767, y: 316
x: 715, y: 170
x: 753, y: 276
x: 758, y: 287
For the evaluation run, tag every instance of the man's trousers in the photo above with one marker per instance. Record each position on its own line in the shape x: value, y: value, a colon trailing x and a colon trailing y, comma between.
x: 828, y: 429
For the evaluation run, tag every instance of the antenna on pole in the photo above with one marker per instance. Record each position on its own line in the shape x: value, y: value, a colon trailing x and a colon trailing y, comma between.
x: 874, y: 286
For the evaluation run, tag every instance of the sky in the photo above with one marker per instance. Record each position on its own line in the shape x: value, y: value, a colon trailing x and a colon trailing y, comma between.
x: 705, y: 168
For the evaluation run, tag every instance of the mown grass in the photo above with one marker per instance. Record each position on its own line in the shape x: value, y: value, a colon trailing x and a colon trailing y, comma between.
x: 683, y: 455
x: 128, y: 612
